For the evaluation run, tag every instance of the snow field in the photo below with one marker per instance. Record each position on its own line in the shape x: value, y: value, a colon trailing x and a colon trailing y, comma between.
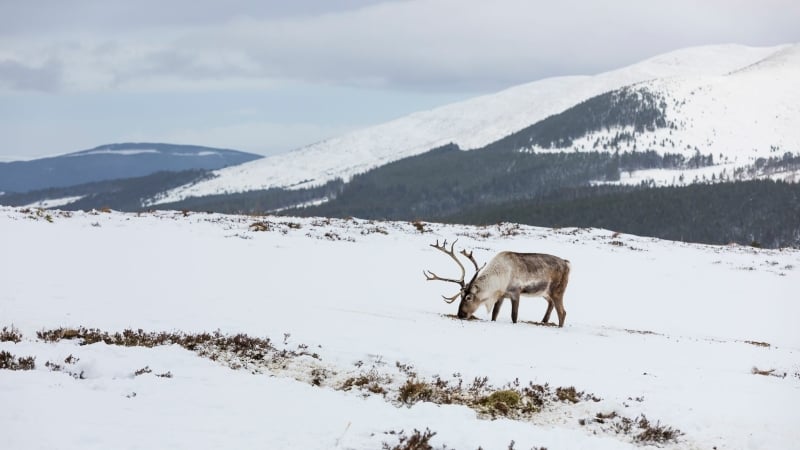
x: 661, y: 321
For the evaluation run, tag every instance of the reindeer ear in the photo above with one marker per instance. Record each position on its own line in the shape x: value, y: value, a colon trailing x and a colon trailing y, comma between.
x: 474, y: 289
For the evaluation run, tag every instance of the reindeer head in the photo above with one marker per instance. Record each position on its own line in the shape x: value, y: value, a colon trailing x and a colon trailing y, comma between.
x: 468, y: 291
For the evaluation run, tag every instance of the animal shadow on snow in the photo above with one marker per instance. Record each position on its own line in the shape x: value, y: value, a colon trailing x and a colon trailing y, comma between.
x: 527, y: 322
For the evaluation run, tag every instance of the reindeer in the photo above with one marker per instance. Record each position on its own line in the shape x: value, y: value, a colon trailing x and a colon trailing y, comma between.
x: 508, y: 275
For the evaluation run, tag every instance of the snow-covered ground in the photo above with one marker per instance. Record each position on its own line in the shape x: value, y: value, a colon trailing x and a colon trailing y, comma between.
x: 477, y: 122
x: 54, y: 202
x: 659, y: 328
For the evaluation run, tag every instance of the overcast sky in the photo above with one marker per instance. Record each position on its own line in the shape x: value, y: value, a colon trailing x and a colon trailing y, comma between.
x: 269, y: 76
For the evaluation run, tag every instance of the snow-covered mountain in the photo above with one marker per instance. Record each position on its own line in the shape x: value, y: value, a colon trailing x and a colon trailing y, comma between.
x: 114, y: 161
x: 715, y: 95
x: 738, y: 117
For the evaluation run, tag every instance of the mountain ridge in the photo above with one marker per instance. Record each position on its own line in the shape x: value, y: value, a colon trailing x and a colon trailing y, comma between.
x: 471, y: 124
x: 113, y: 161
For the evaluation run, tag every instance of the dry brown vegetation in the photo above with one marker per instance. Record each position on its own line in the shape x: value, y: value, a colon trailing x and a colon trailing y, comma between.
x: 420, y: 226
x: 68, y: 361
x: 283, y: 227
x: 11, y: 362
x: 236, y: 351
x: 10, y: 335
x: 512, y: 400
x: 770, y: 372
x: 640, y: 429
x: 371, y: 382
x: 645, y: 432
x: 418, y: 440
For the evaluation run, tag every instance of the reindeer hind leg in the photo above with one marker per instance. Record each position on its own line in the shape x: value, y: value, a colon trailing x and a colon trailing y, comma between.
x: 546, y: 318
x: 556, y: 296
x: 562, y: 313
x: 514, y: 306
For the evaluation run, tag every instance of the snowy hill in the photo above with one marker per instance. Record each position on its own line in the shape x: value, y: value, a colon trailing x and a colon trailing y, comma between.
x: 113, y: 161
x: 714, y: 76
x: 700, y: 340
x: 736, y: 117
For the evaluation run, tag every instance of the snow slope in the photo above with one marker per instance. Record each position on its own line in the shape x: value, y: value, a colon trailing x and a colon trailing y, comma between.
x: 53, y: 202
x: 653, y: 327
x: 471, y: 124
x: 737, y: 117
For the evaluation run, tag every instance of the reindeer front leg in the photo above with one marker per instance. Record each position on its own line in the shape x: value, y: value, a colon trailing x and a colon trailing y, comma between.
x: 496, y: 308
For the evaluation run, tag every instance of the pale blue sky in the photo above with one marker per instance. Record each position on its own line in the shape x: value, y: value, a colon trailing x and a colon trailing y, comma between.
x: 269, y: 76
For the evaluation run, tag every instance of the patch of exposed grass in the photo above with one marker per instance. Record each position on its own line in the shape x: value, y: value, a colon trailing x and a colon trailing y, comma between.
x: 333, y: 236
x: 649, y: 433
x: 319, y: 375
x: 237, y: 351
x: 11, y: 362
x: 770, y: 372
x: 414, y: 391
x: 507, y: 396
x: 603, y: 417
x: 371, y: 381
x: 282, y: 227
x: 68, y: 361
x: 418, y: 440
x: 509, y: 229
x: 502, y: 401
x: 57, y: 334
x: 375, y: 229
x: 420, y: 226
x: 260, y: 226
x: 10, y: 335
x: 512, y: 443
x: 568, y: 394
x: 758, y: 344
x: 512, y: 400
x: 142, y: 371
x: 640, y: 428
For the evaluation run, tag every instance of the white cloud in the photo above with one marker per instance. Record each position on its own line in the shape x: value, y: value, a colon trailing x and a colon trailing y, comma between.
x: 419, y: 45
x: 78, y: 74
x: 20, y: 76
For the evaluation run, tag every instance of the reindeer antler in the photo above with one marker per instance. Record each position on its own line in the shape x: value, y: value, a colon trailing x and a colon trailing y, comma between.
x: 452, y: 254
x: 474, y: 263
x: 469, y: 255
x: 432, y: 276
